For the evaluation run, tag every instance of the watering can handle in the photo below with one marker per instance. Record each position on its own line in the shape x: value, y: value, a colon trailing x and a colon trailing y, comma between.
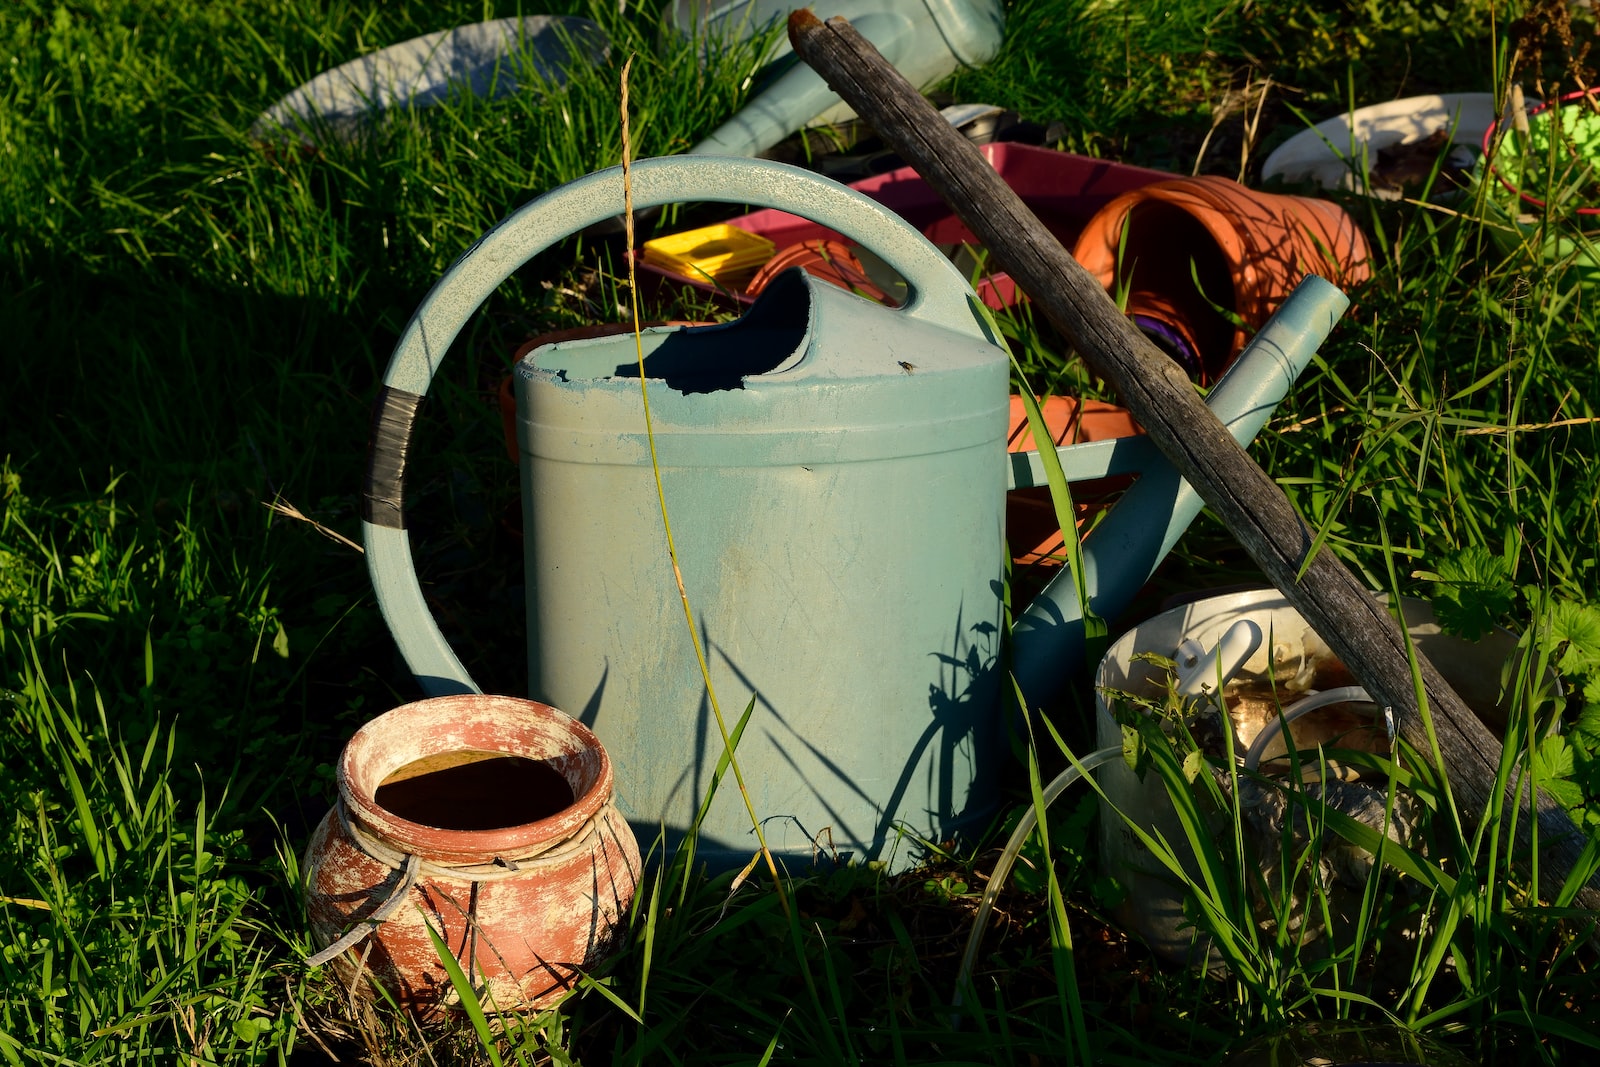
x: 939, y: 294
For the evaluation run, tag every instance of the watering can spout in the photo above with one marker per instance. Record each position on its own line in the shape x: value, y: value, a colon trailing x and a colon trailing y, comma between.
x: 1124, y: 549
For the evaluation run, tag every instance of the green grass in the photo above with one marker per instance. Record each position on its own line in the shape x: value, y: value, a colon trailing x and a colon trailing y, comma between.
x: 194, y: 328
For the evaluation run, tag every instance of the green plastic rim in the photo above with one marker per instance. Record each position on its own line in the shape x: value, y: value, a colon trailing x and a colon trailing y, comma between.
x: 1585, y: 138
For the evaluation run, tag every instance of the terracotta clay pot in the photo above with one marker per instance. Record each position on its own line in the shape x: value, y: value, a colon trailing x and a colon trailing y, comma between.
x: 489, y: 819
x: 1247, y: 249
x: 1032, y: 532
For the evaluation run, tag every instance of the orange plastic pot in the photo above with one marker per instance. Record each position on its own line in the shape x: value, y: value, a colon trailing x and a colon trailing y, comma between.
x: 1032, y: 532
x: 1247, y: 251
x: 487, y: 822
x: 834, y: 262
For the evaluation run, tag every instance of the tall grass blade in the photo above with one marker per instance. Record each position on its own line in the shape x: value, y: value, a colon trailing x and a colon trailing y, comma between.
x: 1066, y: 514
x: 468, y: 997
x: 666, y: 522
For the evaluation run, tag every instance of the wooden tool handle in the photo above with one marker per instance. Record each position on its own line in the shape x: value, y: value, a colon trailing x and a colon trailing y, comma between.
x: 1333, y: 601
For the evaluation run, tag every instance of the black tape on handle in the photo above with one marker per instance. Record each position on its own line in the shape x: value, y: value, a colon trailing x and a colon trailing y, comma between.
x: 394, y: 412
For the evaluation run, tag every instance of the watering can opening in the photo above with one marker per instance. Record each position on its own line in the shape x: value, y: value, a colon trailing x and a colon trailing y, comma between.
x: 772, y: 336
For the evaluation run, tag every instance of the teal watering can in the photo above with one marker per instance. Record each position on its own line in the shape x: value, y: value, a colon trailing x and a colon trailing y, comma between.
x: 835, y: 472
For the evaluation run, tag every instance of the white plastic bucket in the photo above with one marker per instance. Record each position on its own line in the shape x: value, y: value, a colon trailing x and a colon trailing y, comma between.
x: 1479, y: 671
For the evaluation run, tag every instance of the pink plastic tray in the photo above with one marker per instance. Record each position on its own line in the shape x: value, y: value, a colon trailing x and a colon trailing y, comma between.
x: 1064, y: 190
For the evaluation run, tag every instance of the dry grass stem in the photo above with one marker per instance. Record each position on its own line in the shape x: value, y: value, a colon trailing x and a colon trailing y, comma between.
x: 1528, y: 426
x: 289, y: 511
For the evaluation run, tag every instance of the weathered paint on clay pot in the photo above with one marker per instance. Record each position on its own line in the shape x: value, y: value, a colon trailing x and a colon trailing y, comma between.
x: 527, y: 877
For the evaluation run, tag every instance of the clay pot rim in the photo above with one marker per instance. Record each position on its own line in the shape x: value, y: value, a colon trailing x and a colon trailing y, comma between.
x: 474, y: 846
x: 828, y: 250
x: 1490, y: 134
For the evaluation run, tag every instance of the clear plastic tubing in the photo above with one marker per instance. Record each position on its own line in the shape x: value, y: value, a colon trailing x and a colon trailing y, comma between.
x: 1059, y: 785
x: 1008, y: 858
x: 1344, y: 694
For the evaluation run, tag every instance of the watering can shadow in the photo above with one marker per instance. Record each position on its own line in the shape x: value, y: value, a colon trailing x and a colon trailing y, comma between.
x: 835, y: 473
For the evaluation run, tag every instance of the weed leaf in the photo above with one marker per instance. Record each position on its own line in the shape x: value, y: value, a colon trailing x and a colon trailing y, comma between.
x: 1472, y: 590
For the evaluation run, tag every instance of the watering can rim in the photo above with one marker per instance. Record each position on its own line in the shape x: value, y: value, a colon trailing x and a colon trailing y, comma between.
x: 807, y: 358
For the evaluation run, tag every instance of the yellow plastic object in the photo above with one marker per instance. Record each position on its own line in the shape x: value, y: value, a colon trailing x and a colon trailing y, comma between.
x: 720, y: 252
